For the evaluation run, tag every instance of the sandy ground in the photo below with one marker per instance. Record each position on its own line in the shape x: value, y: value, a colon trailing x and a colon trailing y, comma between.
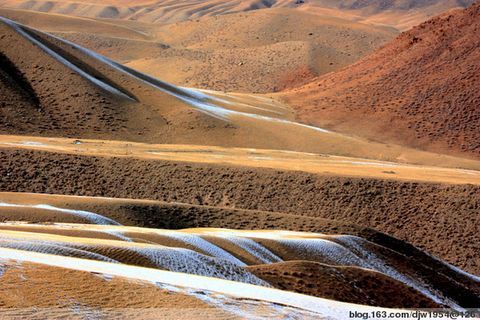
x: 256, y: 158
x: 36, y: 291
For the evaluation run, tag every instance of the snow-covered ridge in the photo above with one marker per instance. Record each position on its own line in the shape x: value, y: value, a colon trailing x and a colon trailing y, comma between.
x: 170, y: 280
x: 195, y: 98
x: 222, y: 252
x: 20, y: 29
x: 89, y: 216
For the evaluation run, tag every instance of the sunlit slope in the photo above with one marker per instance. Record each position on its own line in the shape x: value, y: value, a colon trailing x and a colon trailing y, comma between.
x: 224, y: 254
x: 99, y: 98
x: 86, y: 288
x: 427, y: 167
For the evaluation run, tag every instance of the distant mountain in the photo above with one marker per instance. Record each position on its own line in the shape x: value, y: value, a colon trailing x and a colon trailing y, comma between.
x: 398, y: 4
x: 403, y: 13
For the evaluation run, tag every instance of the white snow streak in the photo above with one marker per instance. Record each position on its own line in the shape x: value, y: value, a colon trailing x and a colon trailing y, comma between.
x: 59, y: 58
x: 322, y: 307
x: 90, y: 216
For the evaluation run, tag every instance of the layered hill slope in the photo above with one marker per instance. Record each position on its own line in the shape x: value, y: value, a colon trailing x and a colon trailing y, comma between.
x: 417, y: 212
x: 55, y: 88
x: 233, y: 255
x: 421, y: 89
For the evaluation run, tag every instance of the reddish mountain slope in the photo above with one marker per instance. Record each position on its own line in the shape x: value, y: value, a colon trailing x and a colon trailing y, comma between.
x: 422, y: 89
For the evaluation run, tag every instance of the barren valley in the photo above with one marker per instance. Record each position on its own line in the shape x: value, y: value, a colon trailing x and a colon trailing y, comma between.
x: 238, y: 159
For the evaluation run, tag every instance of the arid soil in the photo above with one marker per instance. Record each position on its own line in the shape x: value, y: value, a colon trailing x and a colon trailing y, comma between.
x: 48, y: 291
x: 424, y: 214
x: 98, y: 98
x: 350, y: 284
x: 419, y: 90
x: 122, y: 195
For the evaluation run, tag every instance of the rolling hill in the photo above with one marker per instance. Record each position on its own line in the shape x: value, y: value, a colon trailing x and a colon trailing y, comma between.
x: 258, y: 51
x: 419, y: 90
x: 400, y: 13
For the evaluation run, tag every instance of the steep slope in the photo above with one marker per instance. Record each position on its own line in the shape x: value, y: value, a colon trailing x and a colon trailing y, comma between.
x: 420, y: 90
x: 349, y: 284
x: 68, y: 96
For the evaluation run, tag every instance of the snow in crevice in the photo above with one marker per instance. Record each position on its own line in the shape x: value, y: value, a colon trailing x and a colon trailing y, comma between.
x: 192, y: 97
x: 368, y: 163
x: 191, y: 262
x: 51, y: 247
x: 205, y: 246
x: 200, y: 95
x: 456, y: 269
x: 119, y: 235
x: 25, y: 144
x: 244, y: 308
x: 89, y: 216
x: 254, y: 249
x: 323, y: 250
x: 165, y: 258
x: 20, y: 29
x: 376, y: 263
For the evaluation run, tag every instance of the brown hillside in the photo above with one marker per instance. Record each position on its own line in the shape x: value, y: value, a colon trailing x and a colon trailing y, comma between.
x: 419, y: 213
x: 422, y: 89
x: 348, y: 284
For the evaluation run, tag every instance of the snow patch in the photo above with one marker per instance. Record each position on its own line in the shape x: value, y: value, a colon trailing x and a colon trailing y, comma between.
x: 90, y: 216
x: 253, y: 248
x: 205, y: 246
x: 193, y: 97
